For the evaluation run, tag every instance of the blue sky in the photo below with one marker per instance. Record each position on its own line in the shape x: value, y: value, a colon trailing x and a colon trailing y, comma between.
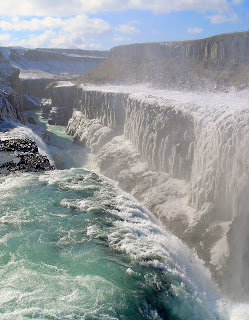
x: 103, y: 24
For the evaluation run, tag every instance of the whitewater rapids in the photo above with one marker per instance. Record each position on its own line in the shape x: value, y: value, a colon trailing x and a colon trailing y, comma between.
x: 74, y: 246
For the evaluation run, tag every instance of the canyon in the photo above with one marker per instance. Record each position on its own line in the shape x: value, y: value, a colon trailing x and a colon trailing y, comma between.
x: 168, y: 121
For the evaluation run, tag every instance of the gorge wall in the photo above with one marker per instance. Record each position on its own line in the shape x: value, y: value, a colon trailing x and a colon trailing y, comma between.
x: 183, y: 155
x: 11, y: 105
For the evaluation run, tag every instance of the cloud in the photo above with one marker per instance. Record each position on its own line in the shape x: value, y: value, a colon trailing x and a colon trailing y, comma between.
x: 86, y: 25
x: 121, y: 39
x: 4, y: 37
x: 127, y: 29
x: 55, y: 32
x: 80, y: 23
x: 74, y: 7
x: 51, y: 39
x: 40, y: 7
x: 237, y: 1
x: 45, y: 39
x: 224, y: 18
x: 136, y: 22
x: 195, y: 30
x: 16, y: 24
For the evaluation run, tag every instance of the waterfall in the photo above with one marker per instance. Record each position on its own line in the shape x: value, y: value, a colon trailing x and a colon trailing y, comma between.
x: 185, y: 156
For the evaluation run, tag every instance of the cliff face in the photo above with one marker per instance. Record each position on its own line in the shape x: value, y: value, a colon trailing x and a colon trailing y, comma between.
x: 10, y: 93
x: 211, y: 63
x: 227, y: 48
x: 185, y: 157
x: 59, y: 107
x: 35, y: 87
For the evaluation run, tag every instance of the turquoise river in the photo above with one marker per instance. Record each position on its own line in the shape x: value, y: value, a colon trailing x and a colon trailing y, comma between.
x: 75, y: 246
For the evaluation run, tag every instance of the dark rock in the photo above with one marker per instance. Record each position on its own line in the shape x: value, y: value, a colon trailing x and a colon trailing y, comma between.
x: 31, y: 120
x: 27, y: 157
x: 46, y: 106
x: 30, y: 103
x: 95, y: 177
x: 22, y: 145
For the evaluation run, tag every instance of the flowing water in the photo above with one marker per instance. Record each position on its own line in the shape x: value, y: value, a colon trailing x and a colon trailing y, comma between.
x: 74, y: 246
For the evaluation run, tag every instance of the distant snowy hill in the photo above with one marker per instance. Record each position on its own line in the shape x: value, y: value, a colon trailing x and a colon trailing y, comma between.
x: 37, y: 63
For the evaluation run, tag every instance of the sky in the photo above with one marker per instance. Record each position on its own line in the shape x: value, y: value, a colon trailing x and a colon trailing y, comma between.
x: 103, y: 24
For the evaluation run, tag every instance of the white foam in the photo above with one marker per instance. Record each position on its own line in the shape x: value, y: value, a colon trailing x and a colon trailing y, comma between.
x: 146, y: 243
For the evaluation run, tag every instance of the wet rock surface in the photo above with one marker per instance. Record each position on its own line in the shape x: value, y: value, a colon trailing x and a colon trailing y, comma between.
x: 59, y: 116
x: 24, y: 157
x: 24, y: 145
x: 46, y: 106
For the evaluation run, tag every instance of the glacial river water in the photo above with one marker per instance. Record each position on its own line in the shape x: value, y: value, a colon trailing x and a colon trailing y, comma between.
x: 74, y: 246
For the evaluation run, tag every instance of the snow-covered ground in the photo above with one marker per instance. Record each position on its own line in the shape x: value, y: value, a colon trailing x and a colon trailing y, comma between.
x: 40, y: 63
x: 197, y: 102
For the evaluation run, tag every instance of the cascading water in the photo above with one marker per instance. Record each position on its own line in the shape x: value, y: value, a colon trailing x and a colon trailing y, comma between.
x: 184, y: 155
x: 74, y: 246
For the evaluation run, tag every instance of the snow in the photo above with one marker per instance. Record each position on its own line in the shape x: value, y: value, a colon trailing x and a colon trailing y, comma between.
x: 64, y: 84
x: 56, y: 63
x: 194, y: 102
x: 83, y: 56
x: 36, y: 74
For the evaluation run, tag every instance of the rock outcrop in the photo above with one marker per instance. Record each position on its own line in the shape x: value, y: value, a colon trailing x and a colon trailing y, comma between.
x: 46, y: 106
x: 224, y: 48
x: 22, y: 155
x: 10, y: 93
x: 61, y: 103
